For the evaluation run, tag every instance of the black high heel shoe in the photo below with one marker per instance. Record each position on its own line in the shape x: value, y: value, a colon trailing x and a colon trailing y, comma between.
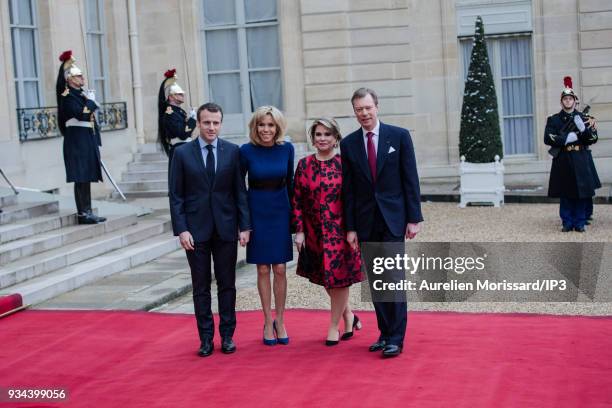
x: 356, y: 326
x: 332, y: 342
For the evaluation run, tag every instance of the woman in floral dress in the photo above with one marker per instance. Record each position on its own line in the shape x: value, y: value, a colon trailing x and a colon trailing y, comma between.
x: 325, y: 258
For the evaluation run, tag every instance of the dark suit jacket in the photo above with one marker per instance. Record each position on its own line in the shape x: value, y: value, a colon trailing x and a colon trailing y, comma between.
x: 396, y: 191
x: 195, y: 202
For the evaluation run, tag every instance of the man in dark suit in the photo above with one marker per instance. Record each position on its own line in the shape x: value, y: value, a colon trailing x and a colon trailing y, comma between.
x: 381, y: 200
x: 208, y: 204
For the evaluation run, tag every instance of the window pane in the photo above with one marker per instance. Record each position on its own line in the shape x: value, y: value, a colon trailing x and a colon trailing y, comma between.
x: 225, y: 91
x: 266, y: 89
x: 515, y: 57
x: 31, y: 94
x: 466, y: 52
x: 92, y: 15
x: 262, y: 47
x: 20, y: 104
x: 219, y: 12
x: 222, y: 50
x: 95, y: 53
x: 260, y: 10
x: 517, y: 97
x: 99, y: 87
x: 518, y: 136
x: 28, y: 55
x: 14, y: 39
x: 25, y: 12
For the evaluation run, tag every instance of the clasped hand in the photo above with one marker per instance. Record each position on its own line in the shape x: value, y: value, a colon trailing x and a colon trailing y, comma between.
x: 186, y: 239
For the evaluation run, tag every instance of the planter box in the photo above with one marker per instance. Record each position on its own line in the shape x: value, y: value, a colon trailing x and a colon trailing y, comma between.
x: 482, y: 182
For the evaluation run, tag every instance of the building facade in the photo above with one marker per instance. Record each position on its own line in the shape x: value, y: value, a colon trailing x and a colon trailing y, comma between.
x: 306, y: 57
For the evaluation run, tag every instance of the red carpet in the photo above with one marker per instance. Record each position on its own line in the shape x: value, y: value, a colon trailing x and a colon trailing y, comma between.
x: 137, y: 359
x: 10, y: 302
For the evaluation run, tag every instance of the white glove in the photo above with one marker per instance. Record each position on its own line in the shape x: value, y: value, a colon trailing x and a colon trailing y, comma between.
x: 91, y: 94
x: 571, y: 138
x: 579, y: 123
x: 192, y: 114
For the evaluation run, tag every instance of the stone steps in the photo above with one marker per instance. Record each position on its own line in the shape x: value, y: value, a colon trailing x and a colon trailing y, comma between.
x: 148, y: 185
x: 7, y: 200
x: 62, y: 280
x: 26, y: 228
x: 40, y: 264
x: 148, y: 166
x: 29, y: 246
x: 145, y: 175
x: 45, y: 253
x: 145, y: 157
x: 21, y: 211
x: 162, y: 194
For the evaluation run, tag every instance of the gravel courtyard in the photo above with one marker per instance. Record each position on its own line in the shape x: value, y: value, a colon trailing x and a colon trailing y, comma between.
x: 446, y: 222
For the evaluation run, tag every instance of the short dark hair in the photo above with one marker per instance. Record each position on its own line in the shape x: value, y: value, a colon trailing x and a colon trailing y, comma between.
x: 211, y: 107
x: 362, y: 93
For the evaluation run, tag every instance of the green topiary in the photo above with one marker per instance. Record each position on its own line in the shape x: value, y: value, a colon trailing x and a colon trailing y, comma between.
x: 480, y: 136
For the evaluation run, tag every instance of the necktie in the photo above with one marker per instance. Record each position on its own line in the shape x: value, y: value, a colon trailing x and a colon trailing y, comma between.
x: 371, y: 156
x: 210, y: 163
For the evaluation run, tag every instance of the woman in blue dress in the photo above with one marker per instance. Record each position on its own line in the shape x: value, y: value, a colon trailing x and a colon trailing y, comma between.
x: 268, y: 162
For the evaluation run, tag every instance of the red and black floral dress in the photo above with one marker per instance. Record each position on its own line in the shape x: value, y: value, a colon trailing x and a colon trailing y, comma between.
x: 317, y: 211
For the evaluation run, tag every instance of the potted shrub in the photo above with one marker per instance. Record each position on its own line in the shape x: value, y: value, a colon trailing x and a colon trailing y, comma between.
x: 480, y: 145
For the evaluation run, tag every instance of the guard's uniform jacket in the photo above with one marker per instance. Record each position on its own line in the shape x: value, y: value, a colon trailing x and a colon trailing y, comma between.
x: 571, y: 175
x: 81, y: 138
x: 177, y: 127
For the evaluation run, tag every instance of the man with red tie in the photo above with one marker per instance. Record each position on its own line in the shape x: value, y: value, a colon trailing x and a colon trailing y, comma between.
x: 381, y: 200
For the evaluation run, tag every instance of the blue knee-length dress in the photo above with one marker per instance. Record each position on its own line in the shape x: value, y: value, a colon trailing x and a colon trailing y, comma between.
x: 269, y: 203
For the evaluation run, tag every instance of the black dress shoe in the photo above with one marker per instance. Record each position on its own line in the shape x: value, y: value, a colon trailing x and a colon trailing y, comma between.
x: 379, y: 345
x: 392, y: 350
x: 87, y: 218
x: 579, y: 229
x: 95, y: 217
x: 228, y: 346
x: 566, y: 229
x: 206, y: 348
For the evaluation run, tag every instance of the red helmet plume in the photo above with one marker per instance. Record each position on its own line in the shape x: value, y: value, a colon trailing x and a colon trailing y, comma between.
x: 170, y: 73
x: 65, y: 56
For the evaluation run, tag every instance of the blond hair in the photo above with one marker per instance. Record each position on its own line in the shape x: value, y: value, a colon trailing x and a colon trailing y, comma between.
x: 277, y: 117
x: 329, y: 123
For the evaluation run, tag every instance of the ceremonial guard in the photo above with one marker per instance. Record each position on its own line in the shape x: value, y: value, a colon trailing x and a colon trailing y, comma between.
x: 76, y: 108
x: 174, y: 126
x: 572, y: 176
